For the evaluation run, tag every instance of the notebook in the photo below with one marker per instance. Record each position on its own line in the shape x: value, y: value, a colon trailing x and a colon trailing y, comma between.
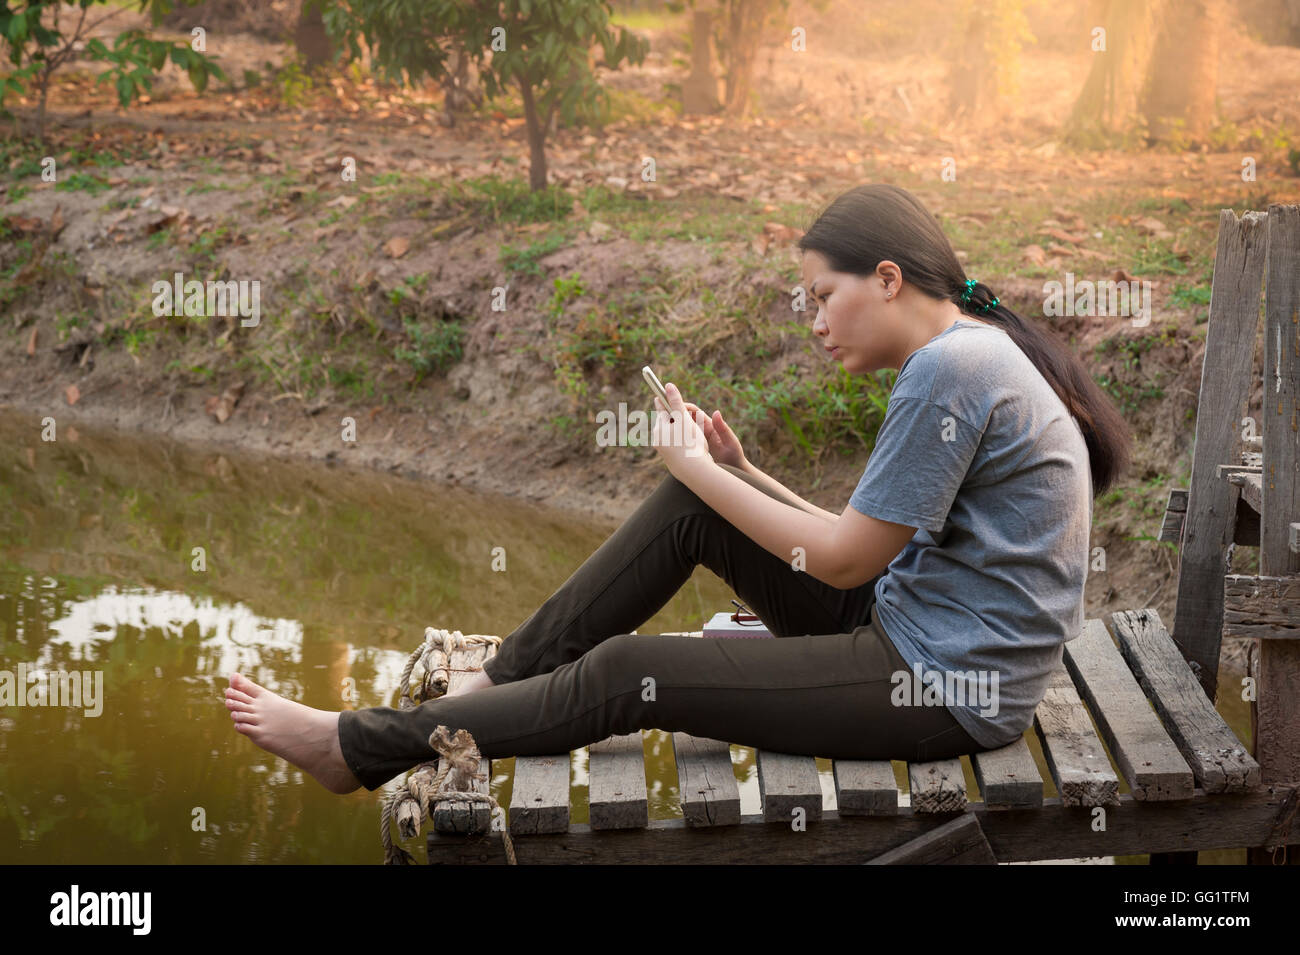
x: 723, y: 626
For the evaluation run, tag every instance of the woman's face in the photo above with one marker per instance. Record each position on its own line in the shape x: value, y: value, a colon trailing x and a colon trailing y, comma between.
x: 851, y: 315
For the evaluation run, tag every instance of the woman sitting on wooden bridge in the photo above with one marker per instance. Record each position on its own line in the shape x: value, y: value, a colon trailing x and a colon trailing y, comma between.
x: 959, y: 560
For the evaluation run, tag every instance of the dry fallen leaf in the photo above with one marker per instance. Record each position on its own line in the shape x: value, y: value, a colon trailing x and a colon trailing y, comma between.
x: 31, y: 343
x: 1035, y: 254
x: 72, y: 393
x: 396, y: 247
x: 223, y: 407
x: 1153, y: 227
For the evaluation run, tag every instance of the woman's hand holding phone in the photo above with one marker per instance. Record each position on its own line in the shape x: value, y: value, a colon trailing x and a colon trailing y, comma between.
x: 724, y: 447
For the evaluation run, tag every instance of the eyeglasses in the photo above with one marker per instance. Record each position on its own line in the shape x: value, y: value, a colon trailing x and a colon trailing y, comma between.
x: 744, y: 616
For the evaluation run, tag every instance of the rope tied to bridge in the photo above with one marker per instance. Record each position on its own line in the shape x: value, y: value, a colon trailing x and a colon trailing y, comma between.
x: 434, y: 655
x: 1282, y: 821
x: 447, y: 778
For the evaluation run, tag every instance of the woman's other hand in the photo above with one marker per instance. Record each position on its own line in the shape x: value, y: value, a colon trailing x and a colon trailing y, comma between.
x: 724, y: 446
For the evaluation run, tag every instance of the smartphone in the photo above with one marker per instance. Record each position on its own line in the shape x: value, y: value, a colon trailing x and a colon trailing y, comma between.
x: 655, y: 384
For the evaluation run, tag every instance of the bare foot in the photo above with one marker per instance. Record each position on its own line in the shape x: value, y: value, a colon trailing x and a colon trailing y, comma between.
x: 306, y: 737
x: 478, y: 681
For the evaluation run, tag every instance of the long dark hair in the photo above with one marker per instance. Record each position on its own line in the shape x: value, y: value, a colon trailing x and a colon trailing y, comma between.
x: 879, y: 221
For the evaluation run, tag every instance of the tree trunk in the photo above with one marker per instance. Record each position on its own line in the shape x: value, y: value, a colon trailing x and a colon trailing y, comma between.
x: 700, y: 91
x: 536, y: 138
x: 972, y: 86
x: 1178, y: 99
x: 744, y: 29
x: 1109, y: 101
x: 310, y: 37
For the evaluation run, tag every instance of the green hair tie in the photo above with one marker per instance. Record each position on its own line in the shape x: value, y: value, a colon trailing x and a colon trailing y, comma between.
x: 969, y: 291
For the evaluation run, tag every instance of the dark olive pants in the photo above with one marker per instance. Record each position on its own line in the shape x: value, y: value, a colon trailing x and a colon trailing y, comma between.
x: 573, y: 674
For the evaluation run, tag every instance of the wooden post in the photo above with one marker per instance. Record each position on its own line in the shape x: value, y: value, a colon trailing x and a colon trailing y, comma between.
x: 1225, y: 391
x: 1277, y: 705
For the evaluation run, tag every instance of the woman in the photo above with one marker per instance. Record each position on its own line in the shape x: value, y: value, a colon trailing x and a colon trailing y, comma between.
x: 922, y: 622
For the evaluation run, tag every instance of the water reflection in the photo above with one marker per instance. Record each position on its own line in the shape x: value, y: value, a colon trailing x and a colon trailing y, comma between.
x: 315, y: 581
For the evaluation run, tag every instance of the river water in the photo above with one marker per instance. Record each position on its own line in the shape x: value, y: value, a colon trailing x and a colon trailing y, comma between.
x: 164, y: 567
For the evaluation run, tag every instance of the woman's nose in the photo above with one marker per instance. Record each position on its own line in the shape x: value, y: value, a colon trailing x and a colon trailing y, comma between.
x: 819, y: 324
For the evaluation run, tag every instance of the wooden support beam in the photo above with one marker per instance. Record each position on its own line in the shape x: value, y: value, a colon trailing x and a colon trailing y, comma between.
x: 1277, y: 703
x: 1171, y: 528
x: 1133, y: 827
x: 1224, y: 400
x: 451, y: 816
x: 1251, y: 488
x: 1245, y: 529
x: 957, y: 842
x: 1229, y: 471
x: 1266, y: 607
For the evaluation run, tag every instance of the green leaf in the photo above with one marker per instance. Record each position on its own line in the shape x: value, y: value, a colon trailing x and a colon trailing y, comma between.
x: 17, y: 31
x: 125, y: 88
x: 198, y: 77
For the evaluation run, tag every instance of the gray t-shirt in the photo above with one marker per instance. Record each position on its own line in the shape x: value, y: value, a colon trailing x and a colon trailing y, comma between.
x: 979, y: 453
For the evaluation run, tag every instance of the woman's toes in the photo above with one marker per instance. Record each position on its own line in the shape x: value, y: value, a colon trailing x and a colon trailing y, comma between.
x: 244, y: 685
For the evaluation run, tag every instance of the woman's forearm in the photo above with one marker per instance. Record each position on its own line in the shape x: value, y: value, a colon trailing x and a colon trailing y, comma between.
x: 771, y: 482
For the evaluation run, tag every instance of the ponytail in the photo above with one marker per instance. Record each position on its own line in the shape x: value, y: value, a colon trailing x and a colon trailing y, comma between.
x: 1104, y: 430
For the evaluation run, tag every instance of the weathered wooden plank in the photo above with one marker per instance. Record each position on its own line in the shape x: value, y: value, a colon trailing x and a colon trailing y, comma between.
x: 937, y: 786
x: 1235, y: 473
x: 1252, y: 488
x: 1277, y: 704
x: 1146, y: 755
x: 1224, y: 396
x: 1074, y: 754
x: 957, y: 842
x: 539, y: 798
x: 1008, y: 777
x: 1171, y: 528
x: 617, y: 792
x: 1217, y: 758
x: 1055, y: 831
x: 787, y: 783
x: 1259, y: 606
x: 1245, y: 529
x: 710, y: 795
x: 865, y: 787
